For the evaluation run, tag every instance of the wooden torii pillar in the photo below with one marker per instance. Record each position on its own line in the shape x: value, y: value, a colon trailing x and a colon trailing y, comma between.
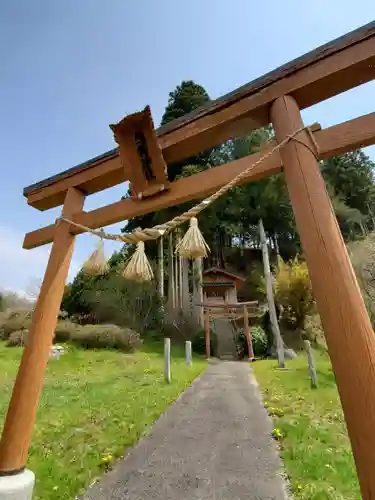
x: 20, y: 419
x: 349, y: 333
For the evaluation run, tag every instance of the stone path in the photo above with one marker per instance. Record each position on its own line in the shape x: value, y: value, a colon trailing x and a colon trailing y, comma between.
x: 213, y: 443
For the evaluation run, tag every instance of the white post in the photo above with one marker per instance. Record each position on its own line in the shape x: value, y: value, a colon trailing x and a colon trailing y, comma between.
x: 188, y: 352
x: 167, y: 360
x: 17, y: 486
x: 310, y: 359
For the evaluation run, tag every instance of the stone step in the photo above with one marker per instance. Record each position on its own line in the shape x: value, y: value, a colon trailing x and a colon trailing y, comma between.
x: 226, y: 346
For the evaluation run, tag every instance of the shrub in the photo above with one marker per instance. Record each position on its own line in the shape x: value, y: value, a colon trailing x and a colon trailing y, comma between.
x: 198, y: 343
x: 293, y: 291
x: 63, y: 315
x: 259, y: 338
x: 362, y: 255
x: 13, y: 301
x: 3, y: 319
x: 13, y: 321
x: 115, y: 300
x: 106, y: 337
x: 180, y: 325
x: 313, y: 330
x: 65, y: 331
x: 17, y: 338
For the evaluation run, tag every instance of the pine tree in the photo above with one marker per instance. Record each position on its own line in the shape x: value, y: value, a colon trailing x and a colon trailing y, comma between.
x: 186, y: 97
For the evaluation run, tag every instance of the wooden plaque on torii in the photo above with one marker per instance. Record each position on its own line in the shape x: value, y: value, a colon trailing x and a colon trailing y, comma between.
x: 140, y: 154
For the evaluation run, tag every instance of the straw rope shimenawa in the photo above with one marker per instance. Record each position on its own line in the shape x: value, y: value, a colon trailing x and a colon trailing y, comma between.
x: 193, y: 244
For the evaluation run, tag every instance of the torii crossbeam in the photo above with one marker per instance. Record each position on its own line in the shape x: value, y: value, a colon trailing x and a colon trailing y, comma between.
x: 276, y: 97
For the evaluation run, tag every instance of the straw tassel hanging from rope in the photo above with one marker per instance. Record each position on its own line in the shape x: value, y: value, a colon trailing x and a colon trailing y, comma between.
x: 193, y: 245
x: 96, y: 264
x: 138, y: 267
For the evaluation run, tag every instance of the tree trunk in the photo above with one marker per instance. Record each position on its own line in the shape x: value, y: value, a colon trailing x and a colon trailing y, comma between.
x: 171, y: 286
x: 363, y: 229
x: 185, y: 285
x: 270, y: 299
x: 277, y: 247
x: 177, y: 275
x: 197, y: 290
x: 161, y: 269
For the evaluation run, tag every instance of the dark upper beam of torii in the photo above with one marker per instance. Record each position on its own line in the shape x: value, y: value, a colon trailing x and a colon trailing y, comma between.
x: 324, y: 72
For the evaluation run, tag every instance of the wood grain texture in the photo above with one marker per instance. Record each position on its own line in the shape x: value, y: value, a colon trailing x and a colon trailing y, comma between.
x: 101, y: 175
x: 21, y: 414
x: 333, y: 140
x: 327, y: 71
x: 344, y: 317
x: 326, y: 78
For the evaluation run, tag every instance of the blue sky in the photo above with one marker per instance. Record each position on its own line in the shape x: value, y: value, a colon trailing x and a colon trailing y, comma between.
x: 70, y: 68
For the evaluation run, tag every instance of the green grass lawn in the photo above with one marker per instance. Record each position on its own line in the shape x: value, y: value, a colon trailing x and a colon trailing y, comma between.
x: 313, y: 439
x: 94, y: 405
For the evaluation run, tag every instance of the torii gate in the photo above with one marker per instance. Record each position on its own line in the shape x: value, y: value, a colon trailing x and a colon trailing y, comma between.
x: 276, y: 97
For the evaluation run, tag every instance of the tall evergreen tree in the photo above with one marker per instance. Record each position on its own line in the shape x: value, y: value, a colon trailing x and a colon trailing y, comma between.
x: 352, y: 178
x: 186, y: 97
x: 350, y: 183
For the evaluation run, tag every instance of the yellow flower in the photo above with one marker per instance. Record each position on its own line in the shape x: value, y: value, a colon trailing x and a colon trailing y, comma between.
x: 277, y: 434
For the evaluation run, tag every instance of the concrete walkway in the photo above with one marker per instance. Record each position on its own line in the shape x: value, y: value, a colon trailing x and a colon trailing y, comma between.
x: 213, y: 443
